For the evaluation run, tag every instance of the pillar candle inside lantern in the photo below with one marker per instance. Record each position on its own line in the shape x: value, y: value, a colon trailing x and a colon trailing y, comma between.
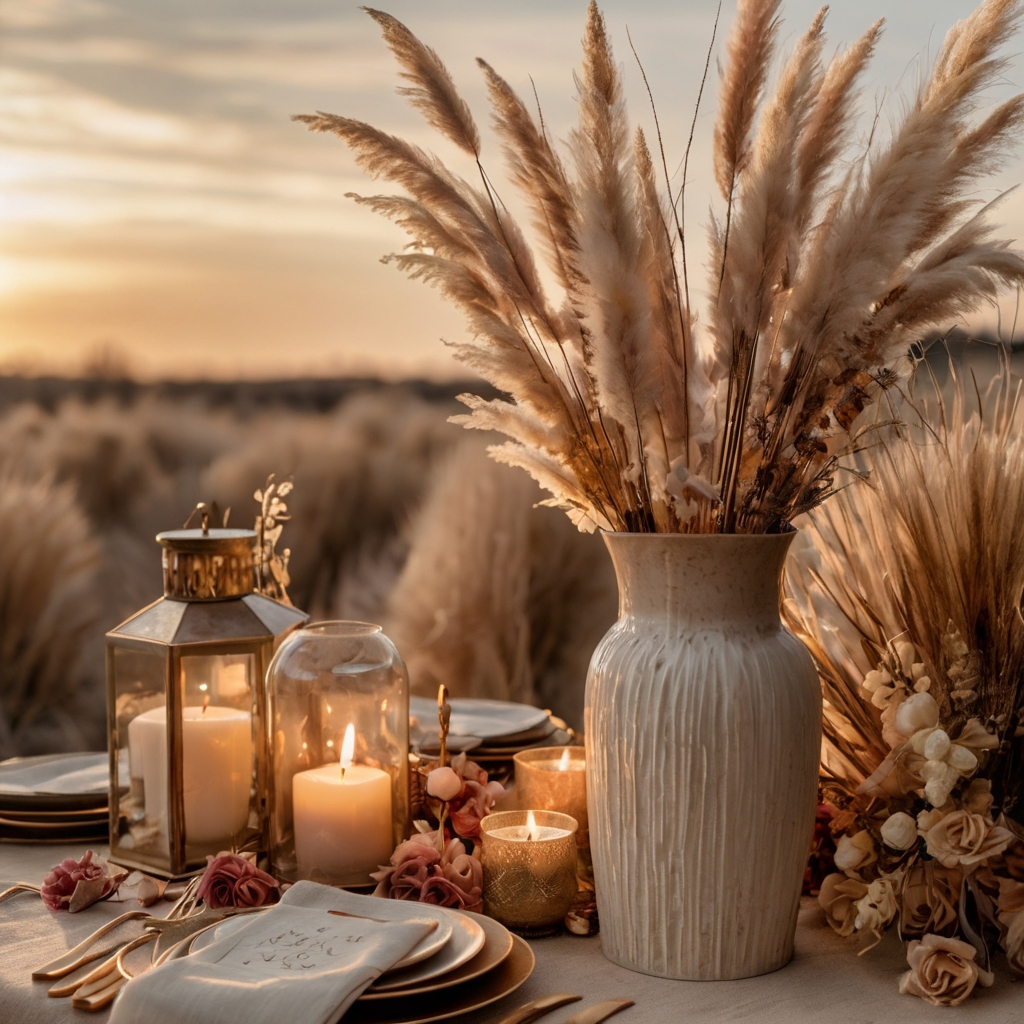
x: 217, y: 754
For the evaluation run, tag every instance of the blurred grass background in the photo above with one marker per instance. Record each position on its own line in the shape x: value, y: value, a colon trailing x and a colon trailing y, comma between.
x: 398, y: 518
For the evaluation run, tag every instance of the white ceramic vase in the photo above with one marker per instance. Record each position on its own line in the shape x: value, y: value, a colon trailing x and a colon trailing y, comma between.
x: 703, y: 731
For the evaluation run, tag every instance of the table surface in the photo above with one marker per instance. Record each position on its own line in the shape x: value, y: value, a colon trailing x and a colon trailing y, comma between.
x: 825, y: 981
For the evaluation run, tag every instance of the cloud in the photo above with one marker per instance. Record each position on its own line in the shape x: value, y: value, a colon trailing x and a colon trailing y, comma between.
x: 155, y: 190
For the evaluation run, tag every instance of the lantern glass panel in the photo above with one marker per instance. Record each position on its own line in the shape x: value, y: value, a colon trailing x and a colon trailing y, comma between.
x: 326, y: 824
x: 139, y: 687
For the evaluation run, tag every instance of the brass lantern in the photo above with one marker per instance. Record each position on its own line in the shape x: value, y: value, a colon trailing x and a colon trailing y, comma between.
x: 186, y: 706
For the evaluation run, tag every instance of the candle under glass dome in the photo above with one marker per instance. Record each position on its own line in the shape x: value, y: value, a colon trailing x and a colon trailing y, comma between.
x: 338, y: 720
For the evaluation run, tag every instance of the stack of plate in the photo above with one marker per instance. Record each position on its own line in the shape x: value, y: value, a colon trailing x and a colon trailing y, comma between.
x: 55, y: 798
x: 491, y: 732
x: 467, y: 962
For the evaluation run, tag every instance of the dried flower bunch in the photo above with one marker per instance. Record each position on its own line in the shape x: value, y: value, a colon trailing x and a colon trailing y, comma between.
x: 272, y: 577
x: 439, y: 863
x: 911, y: 605
x: 826, y: 265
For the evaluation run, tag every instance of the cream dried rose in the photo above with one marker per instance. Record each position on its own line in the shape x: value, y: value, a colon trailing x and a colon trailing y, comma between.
x: 856, y: 852
x: 838, y: 898
x: 942, y: 970
x: 965, y: 839
x: 875, y: 910
x: 928, y: 900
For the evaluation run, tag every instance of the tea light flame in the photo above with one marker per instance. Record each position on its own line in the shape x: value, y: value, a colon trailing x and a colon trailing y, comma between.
x: 563, y: 764
x: 348, y: 748
x: 532, y: 828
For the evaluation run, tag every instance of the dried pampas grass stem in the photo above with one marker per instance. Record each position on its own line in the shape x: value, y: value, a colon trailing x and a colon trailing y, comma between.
x: 827, y: 266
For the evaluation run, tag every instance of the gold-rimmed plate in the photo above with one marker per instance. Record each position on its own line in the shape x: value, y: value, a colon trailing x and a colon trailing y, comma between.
x: 496, y: 947
x: 427, y: 1007
x: 468, y: 937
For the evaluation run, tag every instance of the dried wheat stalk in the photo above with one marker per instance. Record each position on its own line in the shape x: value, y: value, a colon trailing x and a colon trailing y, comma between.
x: 825, y: 269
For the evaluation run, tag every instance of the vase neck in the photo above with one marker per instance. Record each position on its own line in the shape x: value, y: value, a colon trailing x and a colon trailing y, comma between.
x: 699, y: 580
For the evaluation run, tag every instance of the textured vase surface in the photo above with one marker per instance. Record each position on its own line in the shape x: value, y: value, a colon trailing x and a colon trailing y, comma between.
x: 703, y: 732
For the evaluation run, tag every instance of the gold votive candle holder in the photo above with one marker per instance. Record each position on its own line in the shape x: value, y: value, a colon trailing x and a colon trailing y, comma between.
x: 529, y: 862
x: 555, y: 779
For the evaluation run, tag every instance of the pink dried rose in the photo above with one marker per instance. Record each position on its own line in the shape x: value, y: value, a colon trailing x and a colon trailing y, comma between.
x: 475, y: 800
x: 942, y: 970
x: 233, y: 881
x: 73, y: 885
x: 420, y: 872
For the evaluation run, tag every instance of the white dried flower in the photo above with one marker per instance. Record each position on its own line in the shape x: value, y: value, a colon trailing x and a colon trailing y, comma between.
x: 926, y: 819
x: 444, y: 784
x: 907, y: 654
x: 855, y: 852
x: 876, y: 909
x: 917, y: 712
x: 962, y: 759
x: 936, y: 745
x: 876, y: 678
x: 899, y: 831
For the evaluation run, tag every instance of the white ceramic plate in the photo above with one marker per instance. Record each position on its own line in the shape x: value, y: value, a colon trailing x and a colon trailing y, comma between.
x: 56, y: 782
x: 486, y: 719
x: 497, y: 946
x: 467, y: 940
x: 390, y: 910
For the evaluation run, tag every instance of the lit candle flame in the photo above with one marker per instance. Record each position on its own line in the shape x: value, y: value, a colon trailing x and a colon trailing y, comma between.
x: 563, y: 764
x: 532, y: 828
x: 348, y: 748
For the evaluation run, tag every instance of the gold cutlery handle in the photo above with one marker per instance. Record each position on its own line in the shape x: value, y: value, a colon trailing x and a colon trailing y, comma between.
x: 80, y: 955
x: 531, y: 1011
x: 599, y: 1011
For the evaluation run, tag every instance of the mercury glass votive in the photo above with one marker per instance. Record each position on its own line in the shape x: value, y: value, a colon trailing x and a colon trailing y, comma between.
x: 529, y: 862
x: 555, y: 779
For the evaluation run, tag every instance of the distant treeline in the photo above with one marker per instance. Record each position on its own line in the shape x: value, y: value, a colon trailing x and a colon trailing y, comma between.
x: 323, y: 394
x: 308, y: 394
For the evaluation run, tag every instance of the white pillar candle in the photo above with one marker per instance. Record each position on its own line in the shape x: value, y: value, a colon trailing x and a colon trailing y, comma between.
x: 216, y: 772
x: 342, y: 825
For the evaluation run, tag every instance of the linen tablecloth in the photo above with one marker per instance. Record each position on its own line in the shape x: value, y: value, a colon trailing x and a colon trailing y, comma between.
x: 826, y: 983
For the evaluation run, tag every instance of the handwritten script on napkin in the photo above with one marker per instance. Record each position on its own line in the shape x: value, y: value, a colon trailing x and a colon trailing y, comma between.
x: 298, y: 949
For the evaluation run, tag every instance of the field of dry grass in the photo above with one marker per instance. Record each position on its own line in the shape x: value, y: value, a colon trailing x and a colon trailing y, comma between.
x: 398, y: 517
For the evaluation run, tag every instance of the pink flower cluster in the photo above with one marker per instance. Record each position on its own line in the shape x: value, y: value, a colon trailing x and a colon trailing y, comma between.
x: 74, y: 885
x: 475, y: 799
x: 420, y: 872
x: 234, y: 881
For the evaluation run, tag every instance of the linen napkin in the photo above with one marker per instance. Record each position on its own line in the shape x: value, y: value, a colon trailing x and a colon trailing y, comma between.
x: 295, y: 963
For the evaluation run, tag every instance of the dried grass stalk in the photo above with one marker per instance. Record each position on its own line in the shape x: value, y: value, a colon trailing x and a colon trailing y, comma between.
x: 826, y: 267
x: 48, y: 560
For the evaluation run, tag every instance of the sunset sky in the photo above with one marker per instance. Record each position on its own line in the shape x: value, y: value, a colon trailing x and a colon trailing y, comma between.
x: 156, y: 200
